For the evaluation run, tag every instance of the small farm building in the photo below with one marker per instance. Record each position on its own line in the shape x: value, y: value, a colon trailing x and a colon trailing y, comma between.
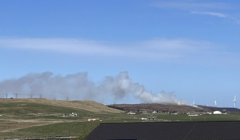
x: 217, y: 112
x: 131, y: 113
x: 193, y: 114
x: 93, y: 119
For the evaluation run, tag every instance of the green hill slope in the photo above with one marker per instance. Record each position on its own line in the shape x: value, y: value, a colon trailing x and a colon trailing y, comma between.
x: 51, y: 106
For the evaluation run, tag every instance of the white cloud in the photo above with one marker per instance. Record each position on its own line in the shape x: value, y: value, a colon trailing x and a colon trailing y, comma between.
x: 210, y: 13
x: 191, y: 5
x: 198, y: 7
x: 159, y: 48
x: 221, y: 15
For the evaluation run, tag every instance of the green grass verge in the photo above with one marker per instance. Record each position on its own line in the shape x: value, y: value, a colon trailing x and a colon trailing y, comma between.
x: 59, y: 129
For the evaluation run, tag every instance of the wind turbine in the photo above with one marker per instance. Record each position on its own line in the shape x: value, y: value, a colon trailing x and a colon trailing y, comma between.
x: 215, y: 102
x: 234, y: 101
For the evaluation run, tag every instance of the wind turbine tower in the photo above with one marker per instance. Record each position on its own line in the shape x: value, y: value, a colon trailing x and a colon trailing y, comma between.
x: 234, y: 101
x: 215, y: 102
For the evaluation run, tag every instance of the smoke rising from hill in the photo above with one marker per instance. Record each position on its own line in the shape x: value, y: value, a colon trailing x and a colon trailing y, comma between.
x: 78, y: 86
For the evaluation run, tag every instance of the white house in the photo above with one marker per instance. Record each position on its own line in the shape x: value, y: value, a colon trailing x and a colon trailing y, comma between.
x: 193, y: 114
x: 131, y: 113
x: 154, y: 112
x: 143, y: 119
x: 73, y: 114
x: 174, y: 113
x: 93, y: 119
x: 217, y: 112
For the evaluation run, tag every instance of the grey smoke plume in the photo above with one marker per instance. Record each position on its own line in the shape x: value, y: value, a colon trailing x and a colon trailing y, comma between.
x: 78, y: 86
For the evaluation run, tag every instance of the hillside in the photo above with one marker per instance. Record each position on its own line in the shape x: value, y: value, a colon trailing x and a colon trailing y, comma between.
x: 23, y: 113
x: 227, y: 109
x: 85, y: 105
x: 31, y: 118
x: 157, y: 107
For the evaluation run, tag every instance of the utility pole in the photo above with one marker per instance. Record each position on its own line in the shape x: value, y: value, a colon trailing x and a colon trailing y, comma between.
x: 16, y: 95
x: 67, y: 98
x: 6, y: 95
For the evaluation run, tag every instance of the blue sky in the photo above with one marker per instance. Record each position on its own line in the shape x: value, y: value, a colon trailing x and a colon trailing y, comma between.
x: 189, y: 47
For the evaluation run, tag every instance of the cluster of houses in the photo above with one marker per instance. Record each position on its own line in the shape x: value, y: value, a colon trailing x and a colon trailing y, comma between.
x: 208, y: 113
x: 143, y: 112
x: 149, y: 118
x: 152, y: 112
x: 73, y: 114
x: 176, y: 113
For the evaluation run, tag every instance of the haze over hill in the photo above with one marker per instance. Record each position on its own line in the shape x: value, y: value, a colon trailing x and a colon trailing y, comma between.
x: 78, y: 86
x: 158, y: 107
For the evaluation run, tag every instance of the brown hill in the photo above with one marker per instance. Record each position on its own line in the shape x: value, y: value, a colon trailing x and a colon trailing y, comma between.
x: 157, y: 107
x: 83, y: 105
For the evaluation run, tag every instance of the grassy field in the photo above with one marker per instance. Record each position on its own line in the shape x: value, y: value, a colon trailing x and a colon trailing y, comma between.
x: 52, y: 130
x: 83, y: 128
x: 43, y: 118
x: 38, y: 105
